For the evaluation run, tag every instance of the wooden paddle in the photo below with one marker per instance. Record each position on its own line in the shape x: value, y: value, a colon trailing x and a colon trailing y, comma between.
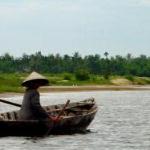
x: 56, y: 118
x: 11, y: 103
x: 62, y: 111
x: 18, y: 105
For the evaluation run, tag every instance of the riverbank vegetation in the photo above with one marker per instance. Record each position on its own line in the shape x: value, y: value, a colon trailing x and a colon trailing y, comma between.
x: 74, y: 70
x: 11, y: 82
x: 91, y: 64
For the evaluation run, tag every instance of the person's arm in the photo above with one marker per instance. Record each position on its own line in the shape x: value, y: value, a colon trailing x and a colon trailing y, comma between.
x: 39, y: 111
x: 37, y: 108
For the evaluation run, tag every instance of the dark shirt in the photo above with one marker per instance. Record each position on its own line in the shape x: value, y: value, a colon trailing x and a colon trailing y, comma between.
x: 31, y: 108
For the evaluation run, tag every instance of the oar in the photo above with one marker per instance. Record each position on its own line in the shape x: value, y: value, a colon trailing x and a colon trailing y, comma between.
x: 18, y: 105
x: 11, y: 103
x: 61, y: 112
x: 56, y: 118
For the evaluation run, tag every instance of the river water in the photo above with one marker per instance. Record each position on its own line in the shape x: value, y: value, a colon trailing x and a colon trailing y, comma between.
x: 122, y: 123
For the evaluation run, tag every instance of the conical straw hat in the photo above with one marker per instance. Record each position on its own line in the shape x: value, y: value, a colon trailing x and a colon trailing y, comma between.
x: 35, y: 77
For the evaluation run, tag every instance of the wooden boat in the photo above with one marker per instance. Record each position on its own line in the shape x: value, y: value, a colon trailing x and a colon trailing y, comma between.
x: 75, y: 118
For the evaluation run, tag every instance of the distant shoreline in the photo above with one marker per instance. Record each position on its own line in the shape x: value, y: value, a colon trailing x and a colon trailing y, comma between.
x: 53, y: 89
x: 94, y: 88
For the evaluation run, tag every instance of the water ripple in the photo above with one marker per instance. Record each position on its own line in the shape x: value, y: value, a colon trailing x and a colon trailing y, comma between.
x: 122, y: 123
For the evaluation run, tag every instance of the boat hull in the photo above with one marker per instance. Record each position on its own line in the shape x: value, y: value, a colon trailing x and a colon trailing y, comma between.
x: 22, y: 128
x: 69, y: 124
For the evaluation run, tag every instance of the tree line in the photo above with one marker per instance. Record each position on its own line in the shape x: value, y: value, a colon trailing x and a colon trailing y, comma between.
x: 92, y: 64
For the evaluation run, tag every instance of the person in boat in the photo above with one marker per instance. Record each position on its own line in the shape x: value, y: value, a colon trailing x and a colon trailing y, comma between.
x: 31, y: 108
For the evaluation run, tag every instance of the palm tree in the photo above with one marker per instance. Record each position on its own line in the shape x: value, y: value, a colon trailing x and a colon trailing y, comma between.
x: 106, y: 72
x: 106, y: 54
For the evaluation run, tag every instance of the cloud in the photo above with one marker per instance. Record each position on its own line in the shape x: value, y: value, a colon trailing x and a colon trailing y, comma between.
x: 75, y: 24
x: 146, y: 2
x: 31, y: 10
x: 38, y: 5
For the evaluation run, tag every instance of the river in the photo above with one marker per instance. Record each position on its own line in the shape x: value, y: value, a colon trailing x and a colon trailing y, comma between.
x: 122, y: 123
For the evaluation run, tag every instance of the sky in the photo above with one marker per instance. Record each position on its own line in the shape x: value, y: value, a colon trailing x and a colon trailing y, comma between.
x: 67, y: 26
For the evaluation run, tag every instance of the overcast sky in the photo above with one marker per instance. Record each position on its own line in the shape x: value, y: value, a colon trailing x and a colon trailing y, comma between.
x: 66, y: 26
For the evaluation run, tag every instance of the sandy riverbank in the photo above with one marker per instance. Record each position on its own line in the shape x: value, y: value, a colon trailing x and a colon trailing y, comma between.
x: 93, y: 88
x: 84, y: 88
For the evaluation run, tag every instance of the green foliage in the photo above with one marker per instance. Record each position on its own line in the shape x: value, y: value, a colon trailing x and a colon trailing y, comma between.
x: 10, y: 83
x: 67, y: 76
x: 82, y: 75
x: 129, y: 77
x: 141, y: 80
x: 95, y: 64
x: 99, y: 80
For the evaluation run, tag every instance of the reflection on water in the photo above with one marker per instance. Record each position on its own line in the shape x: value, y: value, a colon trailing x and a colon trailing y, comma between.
x: 122, y: 123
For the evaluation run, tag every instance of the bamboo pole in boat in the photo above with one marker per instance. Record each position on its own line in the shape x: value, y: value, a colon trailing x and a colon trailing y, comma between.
x: 62, y: 111
x: 11, y: 103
